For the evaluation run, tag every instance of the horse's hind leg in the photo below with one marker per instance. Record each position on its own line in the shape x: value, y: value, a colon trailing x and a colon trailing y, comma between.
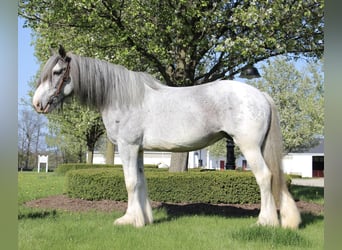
x: 268, y: 212
x: 139, y: 211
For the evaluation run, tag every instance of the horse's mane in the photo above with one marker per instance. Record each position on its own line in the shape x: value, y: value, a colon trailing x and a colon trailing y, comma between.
x: 101, y: 83
x: 47, y: 69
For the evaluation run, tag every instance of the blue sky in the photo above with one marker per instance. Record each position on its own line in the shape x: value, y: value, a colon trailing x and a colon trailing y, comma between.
x: 27, y: 62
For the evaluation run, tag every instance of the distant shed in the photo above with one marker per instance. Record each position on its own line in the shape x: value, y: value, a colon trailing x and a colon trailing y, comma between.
x: 306, y: 164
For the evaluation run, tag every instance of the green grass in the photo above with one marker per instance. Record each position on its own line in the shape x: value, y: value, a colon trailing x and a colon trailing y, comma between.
x: 310, y: 194
x: 33, y: 186
x: 50, y: 229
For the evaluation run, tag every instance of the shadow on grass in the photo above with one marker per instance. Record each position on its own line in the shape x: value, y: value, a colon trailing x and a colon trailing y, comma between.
x: 174, y: 211
x: 309, y: 218
x: 37, y: 214
x: 179, y: 210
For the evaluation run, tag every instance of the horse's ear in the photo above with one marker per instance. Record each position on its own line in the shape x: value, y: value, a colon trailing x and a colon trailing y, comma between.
x: 61, y: 51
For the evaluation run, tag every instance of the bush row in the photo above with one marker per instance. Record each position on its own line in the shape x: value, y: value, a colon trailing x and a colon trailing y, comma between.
x: 64, y: 168
x: 193, y: 186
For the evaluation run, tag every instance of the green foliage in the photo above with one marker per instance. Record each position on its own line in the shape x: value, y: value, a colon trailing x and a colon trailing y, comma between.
x: 208, y: 187
x: 184, y: 42
x: 76, y: 127
x: 93, y: 184
x: 64, y: 168
x: 299, y: 97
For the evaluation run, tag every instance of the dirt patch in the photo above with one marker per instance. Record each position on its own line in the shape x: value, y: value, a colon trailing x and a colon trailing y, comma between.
x: 64, y: 203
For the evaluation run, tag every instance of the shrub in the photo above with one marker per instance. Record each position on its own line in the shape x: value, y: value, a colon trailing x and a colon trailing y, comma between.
x: 96, y: 184
x: 193, y: 186
x: 64, y: 168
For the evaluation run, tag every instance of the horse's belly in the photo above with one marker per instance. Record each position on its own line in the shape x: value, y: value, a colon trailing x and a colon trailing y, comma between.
x: 178, y: 142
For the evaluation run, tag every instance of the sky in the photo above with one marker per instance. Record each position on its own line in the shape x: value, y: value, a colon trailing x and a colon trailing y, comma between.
x: 27, y: 62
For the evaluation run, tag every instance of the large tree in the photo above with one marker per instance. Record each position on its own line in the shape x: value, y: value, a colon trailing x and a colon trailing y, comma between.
x: 183, y: 42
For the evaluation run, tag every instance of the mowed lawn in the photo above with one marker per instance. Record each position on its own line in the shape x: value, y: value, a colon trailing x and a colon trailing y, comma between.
x: 53, y: 229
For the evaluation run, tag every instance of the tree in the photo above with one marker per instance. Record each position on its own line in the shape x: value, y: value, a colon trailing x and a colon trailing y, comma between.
x: 30, y: 132
x: 71, y: 149
x: 181, y: 42
x: 299, y: 97
x: 83, y: 126
x: 110, y: 152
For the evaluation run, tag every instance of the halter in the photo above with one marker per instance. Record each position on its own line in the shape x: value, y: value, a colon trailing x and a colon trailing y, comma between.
x: 66, y: 76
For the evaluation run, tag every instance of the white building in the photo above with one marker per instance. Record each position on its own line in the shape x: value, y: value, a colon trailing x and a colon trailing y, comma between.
x: 199, y: 158
x: 150, y: 157
x: 306, y: 164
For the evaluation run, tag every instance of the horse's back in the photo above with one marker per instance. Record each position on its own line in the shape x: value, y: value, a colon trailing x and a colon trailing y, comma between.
x: 239, y: 100
x: 186, y: 117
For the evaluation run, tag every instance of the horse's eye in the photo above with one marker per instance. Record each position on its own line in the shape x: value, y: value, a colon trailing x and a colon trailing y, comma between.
x: 58, y: 72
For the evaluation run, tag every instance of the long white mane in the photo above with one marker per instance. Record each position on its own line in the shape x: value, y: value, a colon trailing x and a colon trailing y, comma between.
x: 101, y: 83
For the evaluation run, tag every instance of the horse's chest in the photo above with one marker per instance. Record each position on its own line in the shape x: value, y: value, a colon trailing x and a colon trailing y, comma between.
x: 121, y: 126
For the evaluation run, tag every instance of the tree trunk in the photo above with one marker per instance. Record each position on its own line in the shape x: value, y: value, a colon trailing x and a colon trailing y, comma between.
x: 90, y: 154
x: 27, y: 158
x: 36, y: 147
x: 110, y: 152
x: 179, y: 162
x: 80, y: 154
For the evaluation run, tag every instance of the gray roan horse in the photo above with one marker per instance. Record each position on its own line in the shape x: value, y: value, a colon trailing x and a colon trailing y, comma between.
x: 141, y: 113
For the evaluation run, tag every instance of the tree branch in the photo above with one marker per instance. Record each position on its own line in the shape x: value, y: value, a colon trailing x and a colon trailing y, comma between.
x: 117, y: 20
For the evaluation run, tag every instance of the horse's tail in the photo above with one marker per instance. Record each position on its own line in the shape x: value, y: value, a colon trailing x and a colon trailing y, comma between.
x: 272, y: 151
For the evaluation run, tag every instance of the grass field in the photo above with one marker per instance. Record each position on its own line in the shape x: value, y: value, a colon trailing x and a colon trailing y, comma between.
x: 51, y: 229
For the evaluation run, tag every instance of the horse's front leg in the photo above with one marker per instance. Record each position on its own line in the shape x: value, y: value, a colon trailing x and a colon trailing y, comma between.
x: 139, y: 211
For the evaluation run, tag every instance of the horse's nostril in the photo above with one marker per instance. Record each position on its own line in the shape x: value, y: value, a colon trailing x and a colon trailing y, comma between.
x: 38, y: 106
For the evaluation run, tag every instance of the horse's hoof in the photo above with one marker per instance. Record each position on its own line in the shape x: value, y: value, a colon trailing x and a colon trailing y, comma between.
x: 128, y: 220
x: 269, y: 223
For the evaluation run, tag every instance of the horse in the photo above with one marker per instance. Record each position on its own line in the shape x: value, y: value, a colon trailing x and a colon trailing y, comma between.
x: 140, y: 113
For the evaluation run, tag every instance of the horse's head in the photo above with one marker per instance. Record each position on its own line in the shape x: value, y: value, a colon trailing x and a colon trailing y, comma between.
x: 54, y: 84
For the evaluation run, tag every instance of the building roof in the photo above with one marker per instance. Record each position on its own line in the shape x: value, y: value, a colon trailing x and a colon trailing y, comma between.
x: 318, y: 149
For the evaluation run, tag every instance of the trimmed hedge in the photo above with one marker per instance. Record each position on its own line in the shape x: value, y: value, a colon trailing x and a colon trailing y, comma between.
x: 64, y: 168
x: 193, y: 186
x: 208, y: 187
